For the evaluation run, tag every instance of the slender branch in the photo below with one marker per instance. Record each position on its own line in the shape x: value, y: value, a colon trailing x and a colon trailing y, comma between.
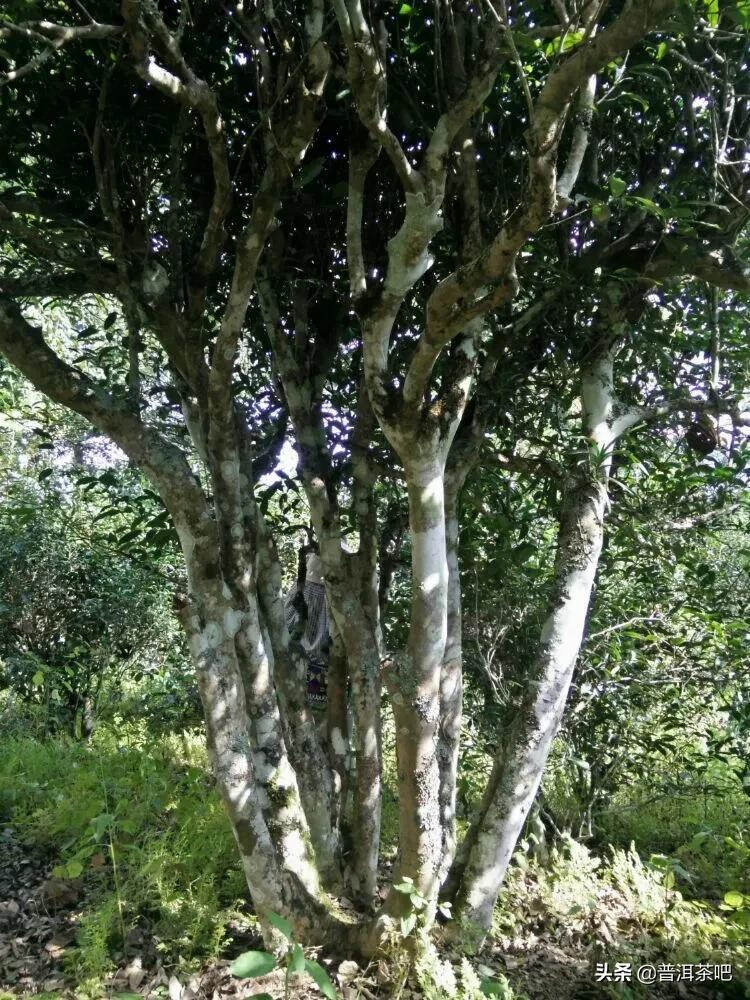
x: 292, y: 141
x: 636, y: 415
x: 55, y: 37
x: 361, y: 159
x: 366, y: 74
x: 167, y: 467
x: 641, y: 620
x: 184, y: 86
x: 63, y: 285
x: 504, y: 23
x: 454, y: 300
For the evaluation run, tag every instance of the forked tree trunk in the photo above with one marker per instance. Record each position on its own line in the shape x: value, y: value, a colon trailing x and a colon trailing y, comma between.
x: 351, y: 595
x: 317, y: 787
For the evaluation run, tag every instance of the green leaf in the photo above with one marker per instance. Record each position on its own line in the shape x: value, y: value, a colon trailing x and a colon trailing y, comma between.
x: 628, y: 95
x: 617, y: 186
x: 296, y: 960
x: 408, y: 924
x: 647, y: 205
x: 38, y: 679
x: 322, y: 979
x: 281, y: 925
x: 661, y: 51
x: 110, y: 320
x: 600, y: 211
x: 251, y: 964
x: 405, y: 9
x: 734, y: 899
x: 527, y: 43
x: 492, y: 988
x: 523, y: 552
x: 406, y: 885
x: 309, y: 172
x: 564, y: 42
x: 743, y: 12
x: 712, y: 12
x: 44, y: 474
x: 71, y: 869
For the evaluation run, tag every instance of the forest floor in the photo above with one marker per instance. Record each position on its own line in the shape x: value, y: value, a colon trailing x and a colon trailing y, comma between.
x: 39, y: 918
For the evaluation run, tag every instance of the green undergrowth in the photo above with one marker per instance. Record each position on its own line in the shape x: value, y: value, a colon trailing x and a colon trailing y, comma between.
x: 138, y: 822
x: 135, y: 819
x: 620, y: 907
x: 707, y: 831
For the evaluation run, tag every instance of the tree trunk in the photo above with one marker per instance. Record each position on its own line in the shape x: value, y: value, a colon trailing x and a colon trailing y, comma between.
x: 315, y: 778
x: 345, y: 586
x: 337, y: 727
x: 451, y: 684
x: 414, y: 683
x: 245, y: 741
x: 485, y: 853
x: 363, y: 661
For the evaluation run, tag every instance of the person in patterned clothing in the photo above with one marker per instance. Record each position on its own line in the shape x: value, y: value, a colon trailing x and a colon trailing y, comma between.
x: 316, y: 635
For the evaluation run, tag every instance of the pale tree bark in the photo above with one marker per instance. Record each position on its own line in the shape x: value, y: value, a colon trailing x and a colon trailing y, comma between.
x: 451, y: 677
x: 421, y: 438
x: 419, y: 423
x: 337, y: 728
x: 487, y: 848
x: 231, y: 642
x: 242, y: 537
x: 484, y: 855
x: 319, y: 788
x: 288, y: 662
x: 414, y: 681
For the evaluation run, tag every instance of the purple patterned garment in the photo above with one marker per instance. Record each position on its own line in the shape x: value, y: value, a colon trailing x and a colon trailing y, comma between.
x: 316, y: 639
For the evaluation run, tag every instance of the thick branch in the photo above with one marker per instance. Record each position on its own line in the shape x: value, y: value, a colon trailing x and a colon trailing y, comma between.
x: 24, y: 346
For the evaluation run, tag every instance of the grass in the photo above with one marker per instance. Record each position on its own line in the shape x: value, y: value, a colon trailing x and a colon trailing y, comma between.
x: 618, y: 908
x: 138, y: 820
